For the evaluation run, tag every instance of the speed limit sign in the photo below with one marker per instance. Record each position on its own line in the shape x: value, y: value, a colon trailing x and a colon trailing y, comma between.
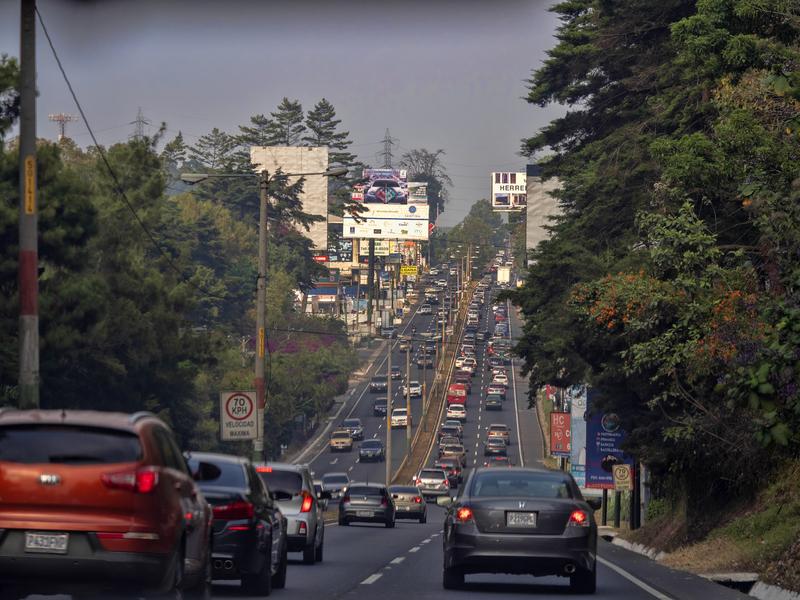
x: 238, y: 416
x: 623, y: 478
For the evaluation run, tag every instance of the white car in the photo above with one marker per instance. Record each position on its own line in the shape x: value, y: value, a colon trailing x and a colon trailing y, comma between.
x: 414, y: 389
x: 460, y: 361
x: 399, y: 417
x: 457, y: 411
x: 500, y: 378
x: 425, y: 309
x: 470, y: 364
x: 442, y: 283
x: 434, y: 271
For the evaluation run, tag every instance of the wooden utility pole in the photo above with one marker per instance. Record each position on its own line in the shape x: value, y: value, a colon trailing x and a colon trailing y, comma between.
x: 389, y: 411
x: 408, y: 397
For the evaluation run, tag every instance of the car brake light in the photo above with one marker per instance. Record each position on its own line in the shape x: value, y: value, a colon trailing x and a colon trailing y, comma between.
x: 346, y: 498
x: 234, y: 511
x: 578, y: 518
x: 264, y: 469
x: 142, y: 481
x: 419, y: 481
x: 308, y: 502
x: 446, y: 483
x: 464, y: 514
x: 417, y: 499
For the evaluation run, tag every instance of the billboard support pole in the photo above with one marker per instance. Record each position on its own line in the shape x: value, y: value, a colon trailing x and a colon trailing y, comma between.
x: 370, y: 284
x: 261, y: 316
x: 617, y: 508
x: 604, y: 514
x: 389, y: 411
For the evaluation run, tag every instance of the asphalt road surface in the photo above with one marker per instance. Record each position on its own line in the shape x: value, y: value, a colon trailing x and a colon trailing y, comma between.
x: 370, y: 561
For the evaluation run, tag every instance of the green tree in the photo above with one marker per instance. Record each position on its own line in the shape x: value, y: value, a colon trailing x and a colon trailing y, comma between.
x: 427, y: 166
x: 213, y: 151
x: 286, y: 127
x: 9, y: 96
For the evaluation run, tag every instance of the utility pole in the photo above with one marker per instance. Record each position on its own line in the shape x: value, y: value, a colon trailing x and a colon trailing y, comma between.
x: 28, y: 220
x: 261, y: 315
x: 388, y: 155
x: 388, y: 411
x: 370, y: 283
x: 138, y: 125
x: 408, y: 397
x: 424, y: 378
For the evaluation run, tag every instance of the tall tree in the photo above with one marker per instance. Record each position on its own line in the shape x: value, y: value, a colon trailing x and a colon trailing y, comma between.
x: 9, y: 96
x: 322, y: 130
x: 286, y: 127
x: 427, y: 166
x: 174, y: 155
x: 214, y: 150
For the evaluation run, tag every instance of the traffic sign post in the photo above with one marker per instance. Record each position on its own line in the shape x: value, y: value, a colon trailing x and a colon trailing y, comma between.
x: 239, y: 418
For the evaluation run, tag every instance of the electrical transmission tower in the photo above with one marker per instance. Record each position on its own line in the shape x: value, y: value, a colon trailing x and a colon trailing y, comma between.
x: 387, y: 154
x: 62, y: 119
x: 139, y: 125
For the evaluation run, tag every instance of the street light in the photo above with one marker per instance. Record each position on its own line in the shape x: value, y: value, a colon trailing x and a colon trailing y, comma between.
x: 261, y: 296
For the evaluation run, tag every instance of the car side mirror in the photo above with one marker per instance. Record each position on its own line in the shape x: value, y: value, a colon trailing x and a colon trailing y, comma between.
x: 206, y: 471
x: 594, y: 503
x: 444, y: 501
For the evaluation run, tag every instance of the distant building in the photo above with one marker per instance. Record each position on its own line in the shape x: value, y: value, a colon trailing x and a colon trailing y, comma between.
x: 541, y: 206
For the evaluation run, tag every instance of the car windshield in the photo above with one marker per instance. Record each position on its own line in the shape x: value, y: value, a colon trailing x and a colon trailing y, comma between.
x: 290, y: 482
x: 520, y: 484
x: 67, y: 444
x: 351, y: 423
x: 365, y: 490
x: 372, y: 444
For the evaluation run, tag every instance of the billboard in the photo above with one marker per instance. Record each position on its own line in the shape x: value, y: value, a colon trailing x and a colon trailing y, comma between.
x: 559, y: 434
x: 388, y: 222
x: 382, y: 186
x: 301, y: 159
x: 509, y: 191
x: 578, y: 399
x: 418, y: 192
x: 604, y: 437
x: 382, y: 247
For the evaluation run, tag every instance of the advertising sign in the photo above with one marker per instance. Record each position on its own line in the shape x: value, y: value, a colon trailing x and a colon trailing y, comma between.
x: 417, y: 192
x: 560, y: 434
x: 509, y: 191
x: 320, y: 258
x: 409, y: 270
x: 382, y: 247
x: 382, y: 186
x: 388, y: 222
x: 579, y: 404
x: 604, y: 437
x: 238, y: 417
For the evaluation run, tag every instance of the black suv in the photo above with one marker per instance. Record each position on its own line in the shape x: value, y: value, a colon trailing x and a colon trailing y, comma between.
x: 378, y: 384
x: 249, y: 541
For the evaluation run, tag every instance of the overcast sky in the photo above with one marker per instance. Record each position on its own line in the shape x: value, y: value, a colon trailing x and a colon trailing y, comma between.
x: 437, y: 73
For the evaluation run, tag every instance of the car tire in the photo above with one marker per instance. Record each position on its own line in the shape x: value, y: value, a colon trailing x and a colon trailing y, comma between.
x: 452, y: 578
x: 309, y: 554
x: 279, y: 579
x: 390, y: 524
x: 202, y: 590
x: 584, y: 582
x: 260, y: 583
x: 343, y: 522
x: 423, y: 518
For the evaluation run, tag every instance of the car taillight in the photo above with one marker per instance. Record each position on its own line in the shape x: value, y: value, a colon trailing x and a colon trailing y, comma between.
x: 417, y: 500
x: 346, y: 498
x: 141, y: 481
x: 308, y: 502
x: 578, y: 518
x: 464, y: 514
x: 418, y: 481
x: 234, y: 511
x: 446, y: 483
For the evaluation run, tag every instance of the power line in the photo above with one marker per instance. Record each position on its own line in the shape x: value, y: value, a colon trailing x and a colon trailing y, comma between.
x: 117, y: 185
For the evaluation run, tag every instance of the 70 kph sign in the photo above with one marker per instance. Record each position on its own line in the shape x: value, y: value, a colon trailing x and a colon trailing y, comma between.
x: 238, y: 416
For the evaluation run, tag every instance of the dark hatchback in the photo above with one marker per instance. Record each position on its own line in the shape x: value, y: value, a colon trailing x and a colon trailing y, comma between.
x: 378, y: 384
x: 367, y: 503
x: 521, y: 521
x: 379, y: 407
x: 249, y: 539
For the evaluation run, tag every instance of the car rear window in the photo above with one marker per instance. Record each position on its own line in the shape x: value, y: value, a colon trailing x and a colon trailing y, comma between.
x: 351, y: 423
x: 520, y: 484
x: 433, y: 474
x: 67, y: 444
x: 290, y: 482
x: 335, y: 479
x: 364, y: 490
x: 371, y: 444
x: 231, y: 474
x: 403, y: 489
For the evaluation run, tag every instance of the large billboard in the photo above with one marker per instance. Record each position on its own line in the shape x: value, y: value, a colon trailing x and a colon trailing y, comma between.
x: 604, y: 438
x: 509, y: 191
x: 388, y: 222
x: 301, y: 159
x: 418, y: 192
x: 382, y: 247
x: 382, y: 186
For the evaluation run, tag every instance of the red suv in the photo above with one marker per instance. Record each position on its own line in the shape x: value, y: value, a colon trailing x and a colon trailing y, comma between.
x: 93, y: 501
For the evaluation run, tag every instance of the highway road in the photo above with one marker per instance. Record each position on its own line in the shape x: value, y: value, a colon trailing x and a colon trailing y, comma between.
x: 370, y: 561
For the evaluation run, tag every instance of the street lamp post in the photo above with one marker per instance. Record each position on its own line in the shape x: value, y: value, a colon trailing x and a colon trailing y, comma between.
x: 261, y: 288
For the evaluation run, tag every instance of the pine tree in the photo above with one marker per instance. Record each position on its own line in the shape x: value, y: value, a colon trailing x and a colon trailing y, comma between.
x: 286, y: 127
x: 322, y: 125
x: 214, y: 150
x: 174, y: 154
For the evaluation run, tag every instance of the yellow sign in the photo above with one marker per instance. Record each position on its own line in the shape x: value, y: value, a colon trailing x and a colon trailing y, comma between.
x: 409, y: 270
x: 30, y: 185
x: 261, y: 342
x: 623, y: 478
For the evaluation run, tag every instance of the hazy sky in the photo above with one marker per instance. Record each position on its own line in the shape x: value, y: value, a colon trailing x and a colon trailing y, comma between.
x: 437, y: 73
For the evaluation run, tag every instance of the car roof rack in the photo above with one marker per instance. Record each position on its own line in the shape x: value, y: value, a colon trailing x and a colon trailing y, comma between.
x: 142, y: 414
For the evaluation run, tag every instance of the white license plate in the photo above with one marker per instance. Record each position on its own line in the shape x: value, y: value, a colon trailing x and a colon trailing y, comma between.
x: 363, y: 513
x: 521, y: 519
x: 46, y: 543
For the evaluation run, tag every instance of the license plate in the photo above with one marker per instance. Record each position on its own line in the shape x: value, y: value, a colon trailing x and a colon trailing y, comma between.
x: 46, y: 543
x: 521, y: 519
x: 364, y: 513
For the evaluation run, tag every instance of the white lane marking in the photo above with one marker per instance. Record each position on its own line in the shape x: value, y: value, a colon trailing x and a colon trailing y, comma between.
x: 634, y: 580
x: 435, y: 535
x: 372, y: 579
x: 414, y: 549
x: 334, y: 461
x: 397, y: 561
x: 350, y: 469
x: 425, y: 542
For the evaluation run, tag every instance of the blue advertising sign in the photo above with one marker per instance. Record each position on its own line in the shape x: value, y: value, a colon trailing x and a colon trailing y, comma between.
x: 578, y: 400
x: 604, y: 437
